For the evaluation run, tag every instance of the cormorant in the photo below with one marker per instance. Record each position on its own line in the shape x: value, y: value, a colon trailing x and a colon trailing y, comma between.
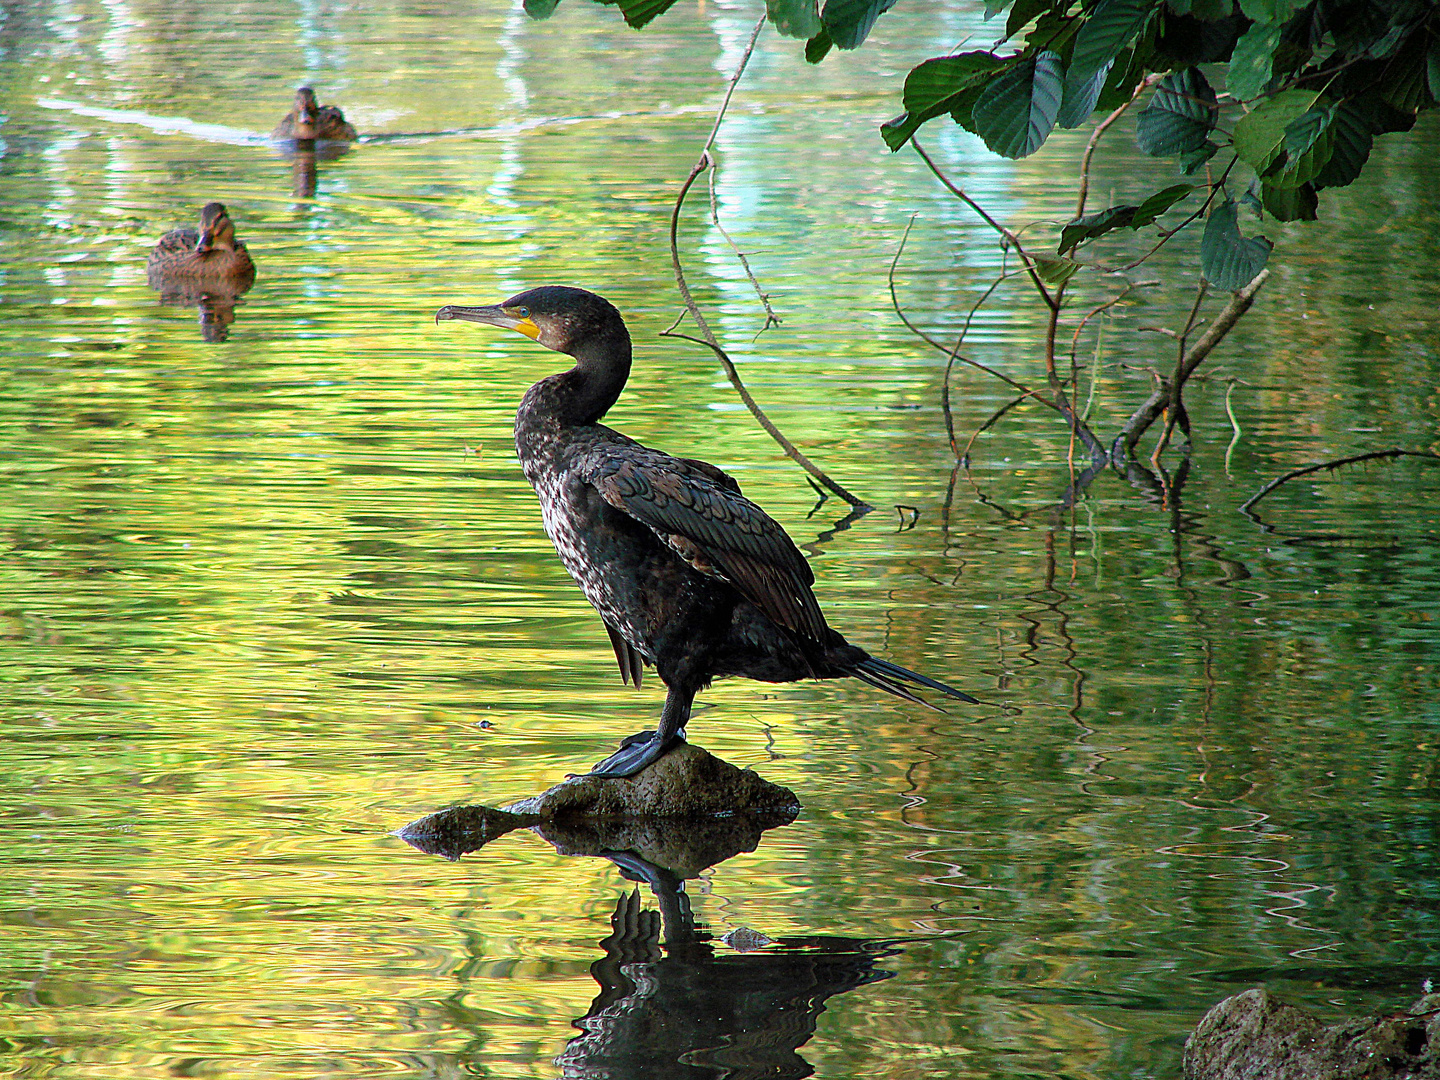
x: 687, y: 573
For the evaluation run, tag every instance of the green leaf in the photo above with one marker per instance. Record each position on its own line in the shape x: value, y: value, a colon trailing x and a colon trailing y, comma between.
x: 935, y: 88
x: 1188, y: 41
x: 1212, y: 10
x: 1260, y: 134
x: 795, y: 18
x: 540, y: 10
x: 1291, y: 203
x: 1022, y: 13
x: 849, y: 21
x: 639, y: 12
x: 1387, y: 43
x: 994, y: 7
x: 1078, y: 101
x: 1120, y: 83
x: 1191, y: 160
x: 1353, y: 138
x: 1016, y: 111
x: 817, y: 47
x: 1179, y: 117
x: 1253, y: 61
x: 1432, y: 69
x: 963, y: 112
x: 1092, y: 225
x: 1108, y: 30
x: 1121, y: 217
x: 933, y: 85
x: 1055, y: 271
x: 1406, y: 84
x: 1158, y: 203
x: 1271, y: 11
x: 1227, y: 259
x: 1308, y: 145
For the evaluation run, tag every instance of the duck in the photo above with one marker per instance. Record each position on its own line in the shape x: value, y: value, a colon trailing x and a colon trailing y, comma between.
x: 688, y: 575
x: 308, y: 120
x: 209, y: 260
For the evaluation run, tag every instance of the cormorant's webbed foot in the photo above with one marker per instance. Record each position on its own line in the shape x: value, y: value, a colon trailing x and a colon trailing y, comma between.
x: 637, y: 751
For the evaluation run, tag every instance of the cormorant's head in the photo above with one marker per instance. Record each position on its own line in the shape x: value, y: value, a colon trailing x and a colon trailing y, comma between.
x: 559, y: 317
x: 216, y: 229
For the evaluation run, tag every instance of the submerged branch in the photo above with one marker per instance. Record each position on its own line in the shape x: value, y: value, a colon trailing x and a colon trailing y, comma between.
x: 1156, y: 404
x: 1330, y: 466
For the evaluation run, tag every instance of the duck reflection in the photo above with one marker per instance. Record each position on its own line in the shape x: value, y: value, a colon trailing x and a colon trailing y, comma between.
x: 670, y: 1003
x: 216, y: 310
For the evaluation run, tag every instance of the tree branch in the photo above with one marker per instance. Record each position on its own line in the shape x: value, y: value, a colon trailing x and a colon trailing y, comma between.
x: 1330, y: 466
x: 1159, y: 400
x: 704, y: 162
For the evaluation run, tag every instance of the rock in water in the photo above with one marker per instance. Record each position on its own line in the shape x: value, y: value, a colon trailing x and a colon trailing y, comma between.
x: 1254, y: 1036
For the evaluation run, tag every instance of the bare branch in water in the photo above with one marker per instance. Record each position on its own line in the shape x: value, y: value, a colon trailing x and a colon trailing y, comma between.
x: 1329, y: 466
x: 1159, y: 400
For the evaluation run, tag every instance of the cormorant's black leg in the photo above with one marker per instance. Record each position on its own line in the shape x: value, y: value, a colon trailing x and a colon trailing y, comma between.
x: 643, y: 749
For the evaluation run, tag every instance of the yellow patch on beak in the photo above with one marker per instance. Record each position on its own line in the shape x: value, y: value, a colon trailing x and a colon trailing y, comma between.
x: 527, y: 327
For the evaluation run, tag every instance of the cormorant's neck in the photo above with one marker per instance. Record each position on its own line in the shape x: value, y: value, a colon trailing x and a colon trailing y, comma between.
x: 585, y: 393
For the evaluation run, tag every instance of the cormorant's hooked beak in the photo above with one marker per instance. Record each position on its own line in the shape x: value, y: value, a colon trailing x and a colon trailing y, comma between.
x: 495, y: 314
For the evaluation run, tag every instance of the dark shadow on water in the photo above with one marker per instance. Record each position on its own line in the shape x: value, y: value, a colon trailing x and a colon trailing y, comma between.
x: 674, y: 1001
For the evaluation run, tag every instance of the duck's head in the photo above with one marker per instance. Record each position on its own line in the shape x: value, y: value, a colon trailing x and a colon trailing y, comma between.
x: 573, y: 321
x: 217, y: 231
x: 306, y: 112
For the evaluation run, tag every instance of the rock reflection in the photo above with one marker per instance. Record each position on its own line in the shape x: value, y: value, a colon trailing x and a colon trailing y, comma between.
x: 672, y: 1001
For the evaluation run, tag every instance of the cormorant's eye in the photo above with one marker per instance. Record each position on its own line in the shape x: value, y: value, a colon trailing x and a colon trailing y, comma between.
x: 523, y: 312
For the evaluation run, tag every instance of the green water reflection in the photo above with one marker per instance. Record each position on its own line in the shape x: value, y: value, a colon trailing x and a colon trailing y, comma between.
x: 266, y: 601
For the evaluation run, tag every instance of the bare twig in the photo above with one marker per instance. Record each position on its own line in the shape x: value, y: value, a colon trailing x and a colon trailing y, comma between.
x: 1175, y: 410
x: 704, y: 162
x: 1100, y: 129
x: 1061, y: 402
x: 963, y: 456
x: 1331, y: 465
x: 1009, y: 237
x: 771, y: 319
x: 1165, y: 234
x: 1234, y: 424
x: 952, y: 353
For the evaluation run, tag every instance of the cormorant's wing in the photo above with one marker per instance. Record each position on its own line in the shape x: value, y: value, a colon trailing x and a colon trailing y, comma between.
x: 699, y: 512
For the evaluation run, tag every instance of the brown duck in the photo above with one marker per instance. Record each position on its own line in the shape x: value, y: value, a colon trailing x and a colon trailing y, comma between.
x: 309, y: 120
x: 209, y: 260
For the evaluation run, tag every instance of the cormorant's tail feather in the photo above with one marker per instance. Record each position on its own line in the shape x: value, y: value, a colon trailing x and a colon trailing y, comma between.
x: 891, y: 678
x: 882, y: 683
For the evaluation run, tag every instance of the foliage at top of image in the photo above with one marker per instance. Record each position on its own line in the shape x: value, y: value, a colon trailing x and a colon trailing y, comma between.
x: 1307, y: 87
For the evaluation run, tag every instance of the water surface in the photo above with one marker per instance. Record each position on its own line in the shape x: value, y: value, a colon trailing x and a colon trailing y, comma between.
x: 267, y: 600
